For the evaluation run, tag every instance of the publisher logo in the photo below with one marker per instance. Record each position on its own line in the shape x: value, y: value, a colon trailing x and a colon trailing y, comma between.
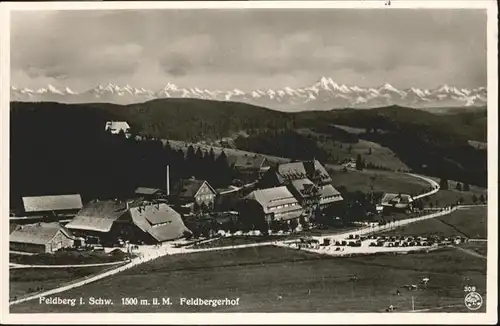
x: 473, y: 301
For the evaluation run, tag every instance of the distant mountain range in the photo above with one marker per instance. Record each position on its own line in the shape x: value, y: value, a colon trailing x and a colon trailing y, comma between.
x: 325, y: 94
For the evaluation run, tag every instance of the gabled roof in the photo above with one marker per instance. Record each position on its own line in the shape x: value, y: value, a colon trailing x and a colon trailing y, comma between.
x: 250, y: 162
x: 39, y: 233
x: 188, y: 188
x: 315, y: 170
x: 329, y: 190
x: 52, y: 203
x: 98, y: 216
x: 159, y: 220
x: 312, y: 170
x: 147, y: 191
x: 329, y: 194
x: 272, y: 197
x: 292, y: 171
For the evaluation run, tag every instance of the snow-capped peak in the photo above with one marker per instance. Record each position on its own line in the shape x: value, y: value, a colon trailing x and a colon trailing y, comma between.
x: 326, y: 83
x: 237, y: 92
x: 417, y: 91
x: 324, y: 93
x: 68, y: 90
x: 50, y: 89
x: 388, y: 87
x: 170, y: 87
x: 445, y: 88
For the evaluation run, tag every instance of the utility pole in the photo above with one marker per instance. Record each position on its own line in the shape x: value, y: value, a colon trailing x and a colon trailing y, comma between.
x: 412, y: 304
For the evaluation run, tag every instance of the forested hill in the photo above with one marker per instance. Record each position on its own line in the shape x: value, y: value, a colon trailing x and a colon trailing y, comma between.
x: 469, y: 125
x: 45, y: 136
x: 193, y: 119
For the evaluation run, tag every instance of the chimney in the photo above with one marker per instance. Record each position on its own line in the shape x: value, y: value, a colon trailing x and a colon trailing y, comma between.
x: 168, y: 180
x: 128, y: 206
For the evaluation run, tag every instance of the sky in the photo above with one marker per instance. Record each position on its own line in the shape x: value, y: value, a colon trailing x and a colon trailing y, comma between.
x: 248, y: 49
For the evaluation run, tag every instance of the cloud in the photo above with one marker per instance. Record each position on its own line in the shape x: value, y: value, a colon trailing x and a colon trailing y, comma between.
x: 249, y: 48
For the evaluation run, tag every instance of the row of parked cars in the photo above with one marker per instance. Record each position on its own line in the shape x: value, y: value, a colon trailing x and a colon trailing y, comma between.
x: 413, y: 241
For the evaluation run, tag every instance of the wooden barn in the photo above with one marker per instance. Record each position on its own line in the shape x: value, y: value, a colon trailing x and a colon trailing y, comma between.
x: 108, y: 222
x: 40, y: 238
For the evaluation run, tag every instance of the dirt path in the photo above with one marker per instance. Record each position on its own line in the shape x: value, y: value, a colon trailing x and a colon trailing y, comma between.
x: 151, y: 254
x: 470, y: 252
x: 14, y: 265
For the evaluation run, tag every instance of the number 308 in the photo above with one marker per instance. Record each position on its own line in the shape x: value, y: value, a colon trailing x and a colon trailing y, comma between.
x: 469, y: 288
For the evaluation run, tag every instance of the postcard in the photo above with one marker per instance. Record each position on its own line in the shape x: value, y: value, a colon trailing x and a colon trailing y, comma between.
x: 253, y: 162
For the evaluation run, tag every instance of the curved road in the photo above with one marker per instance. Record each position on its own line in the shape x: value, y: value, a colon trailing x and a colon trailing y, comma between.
x: 151, y: 253
x: 435, y: 186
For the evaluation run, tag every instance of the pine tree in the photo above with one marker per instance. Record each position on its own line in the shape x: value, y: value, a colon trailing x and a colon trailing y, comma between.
x: 459, y: 186
x: 211, y: 155
x: 443, y: 184
x: 222, y: 173
x: 466, y: 187
x: 474, y: 198
x: 360, y: 164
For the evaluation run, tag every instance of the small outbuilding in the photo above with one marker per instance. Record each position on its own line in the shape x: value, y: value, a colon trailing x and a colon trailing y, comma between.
x: 40, y: 238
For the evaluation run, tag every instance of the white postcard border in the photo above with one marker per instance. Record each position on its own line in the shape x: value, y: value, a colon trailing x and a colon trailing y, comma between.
x: 489, y: 317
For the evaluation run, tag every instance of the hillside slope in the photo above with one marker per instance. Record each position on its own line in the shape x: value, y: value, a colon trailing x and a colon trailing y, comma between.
x: 428, y: 143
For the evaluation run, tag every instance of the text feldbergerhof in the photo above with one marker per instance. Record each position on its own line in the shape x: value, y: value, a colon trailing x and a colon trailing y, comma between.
x: 209, y: 302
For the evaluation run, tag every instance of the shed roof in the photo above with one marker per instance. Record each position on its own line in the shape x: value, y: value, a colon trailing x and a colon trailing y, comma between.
x: 52, y: 203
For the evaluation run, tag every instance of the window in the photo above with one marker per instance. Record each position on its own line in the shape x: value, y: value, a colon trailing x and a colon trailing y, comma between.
x: 162, y: 224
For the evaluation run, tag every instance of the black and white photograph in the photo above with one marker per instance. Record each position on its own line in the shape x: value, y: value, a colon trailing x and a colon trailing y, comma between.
x: 250, y: 157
